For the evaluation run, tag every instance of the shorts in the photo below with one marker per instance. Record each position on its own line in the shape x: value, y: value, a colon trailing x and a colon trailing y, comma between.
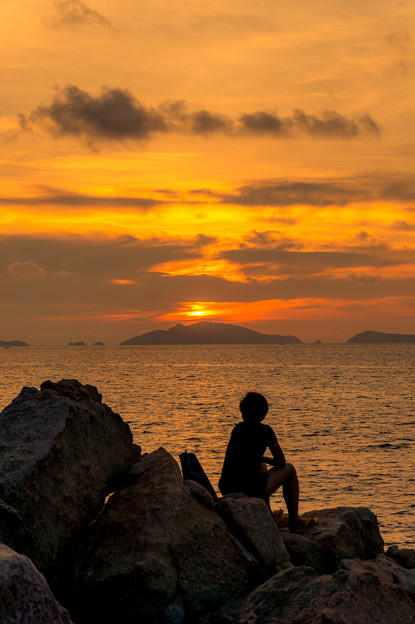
x: 254, y: 487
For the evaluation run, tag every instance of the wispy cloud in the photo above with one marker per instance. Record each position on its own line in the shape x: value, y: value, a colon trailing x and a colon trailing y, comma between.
x: 73, y: 13
x: 325, y: 193
x: 295, y: 193
x: 116, y: 114
x: 52, y: 197
x: 28, y: 267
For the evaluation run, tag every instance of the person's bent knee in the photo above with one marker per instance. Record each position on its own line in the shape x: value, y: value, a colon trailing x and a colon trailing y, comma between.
x: 291, y: 469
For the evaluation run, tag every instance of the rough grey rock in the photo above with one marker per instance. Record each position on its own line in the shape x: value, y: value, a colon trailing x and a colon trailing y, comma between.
x: 404, y: 556
x: 200, y: 493
x: 159, y: 550
x: 14, y: 533
x: 342, y: 533
x: 25, y: 597
x: 358, y: 595
x: 387, y: 569
x: 251, y: 523
x: 61, y: 449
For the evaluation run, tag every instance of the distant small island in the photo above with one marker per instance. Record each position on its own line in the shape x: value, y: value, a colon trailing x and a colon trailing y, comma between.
x: 13, y: 343
x: 208, y: 332
x: 76, y: 344
x: 99, y: 344
x: 379, y: 337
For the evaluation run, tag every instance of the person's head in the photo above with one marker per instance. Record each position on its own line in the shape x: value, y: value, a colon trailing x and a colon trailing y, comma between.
x: 253, y: 407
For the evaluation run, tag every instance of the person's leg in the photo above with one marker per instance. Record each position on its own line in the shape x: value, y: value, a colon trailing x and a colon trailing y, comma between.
x: 287, y: 477
x: 264, y: 470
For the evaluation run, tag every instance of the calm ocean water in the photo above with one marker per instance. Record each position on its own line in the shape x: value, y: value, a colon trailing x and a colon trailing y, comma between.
x: 344, y: 414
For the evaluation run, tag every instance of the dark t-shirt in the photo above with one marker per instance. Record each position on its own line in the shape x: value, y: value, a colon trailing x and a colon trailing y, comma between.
x: 246, y: 448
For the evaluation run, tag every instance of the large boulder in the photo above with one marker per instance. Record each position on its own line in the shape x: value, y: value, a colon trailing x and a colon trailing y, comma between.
x: 387, y: 569
x: 25, y: 597
x: 61, y: 450
x: 14, y: 533
x: 158, y: 551
x: 357, y: 594
x: 250, y: 521
x: 341, y: 533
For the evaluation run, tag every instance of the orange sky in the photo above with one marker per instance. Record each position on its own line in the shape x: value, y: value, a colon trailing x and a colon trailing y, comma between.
x: 244, y: 162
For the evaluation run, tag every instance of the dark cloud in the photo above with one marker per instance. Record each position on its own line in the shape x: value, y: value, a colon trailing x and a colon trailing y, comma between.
x: 265, y: 124
x: 269, y: 239
x: 329, y: 124
x: 159, y: 293
x: 173, y: 290
x: 279, y: 260
x: 58, y: 197
x: 121, y: 258
x: 74, y: 13
x: 267, y: 193
x: 295, y: 193
x: 402, y: 190
x: 116, y: 114
x: 204, y: 122
x: 333, y: 125
x: 403, y: 226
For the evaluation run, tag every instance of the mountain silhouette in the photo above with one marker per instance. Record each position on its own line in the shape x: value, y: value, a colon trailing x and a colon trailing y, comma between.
x: 377, y: 337
x: 208, y: 332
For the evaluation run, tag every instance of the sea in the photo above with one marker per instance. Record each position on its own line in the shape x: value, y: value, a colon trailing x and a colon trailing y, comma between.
x: 344, y: 414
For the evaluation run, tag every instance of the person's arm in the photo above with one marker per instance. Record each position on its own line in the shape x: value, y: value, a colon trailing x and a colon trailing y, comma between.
x: 278, y: 457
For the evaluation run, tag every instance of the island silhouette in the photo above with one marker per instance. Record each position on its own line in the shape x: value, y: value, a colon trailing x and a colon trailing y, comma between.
x: 379, y: 337
x: 13, y: 343
x: 208, y: 332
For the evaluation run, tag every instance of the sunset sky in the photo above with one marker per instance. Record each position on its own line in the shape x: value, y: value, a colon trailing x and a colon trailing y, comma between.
x: 237, y: 161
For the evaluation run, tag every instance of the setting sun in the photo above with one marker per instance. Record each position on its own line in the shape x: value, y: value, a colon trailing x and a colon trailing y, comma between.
x: 196, y: 310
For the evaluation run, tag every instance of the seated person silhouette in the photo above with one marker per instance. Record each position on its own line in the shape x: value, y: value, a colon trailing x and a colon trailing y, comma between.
x: 245, y: 465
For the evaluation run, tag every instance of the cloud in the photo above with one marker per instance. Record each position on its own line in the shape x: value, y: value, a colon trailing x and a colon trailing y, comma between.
x: 74, y: 13
x: 268, y: 193
x: 116, y: 114
x: 279, y: 260
x: 402, y: 190
x: 51, y: 196
x: 270, y: 256
x: 364, y: 277
x: 269, y: 238
x: 329, y: 124
x: 266, y: 124
x: 399, y: 39
x: 125, y: 257
x: 295, y: 193
x: 333, y: 125
x: 205, y: 122
x: 27, y: 267
x: 403, y: 226
x: 113, y: 284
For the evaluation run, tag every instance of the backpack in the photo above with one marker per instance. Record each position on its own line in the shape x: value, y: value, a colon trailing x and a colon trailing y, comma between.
x: 192, y: 469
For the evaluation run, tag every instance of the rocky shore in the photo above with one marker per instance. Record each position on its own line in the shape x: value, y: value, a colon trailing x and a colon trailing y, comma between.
x: 91, y: 530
